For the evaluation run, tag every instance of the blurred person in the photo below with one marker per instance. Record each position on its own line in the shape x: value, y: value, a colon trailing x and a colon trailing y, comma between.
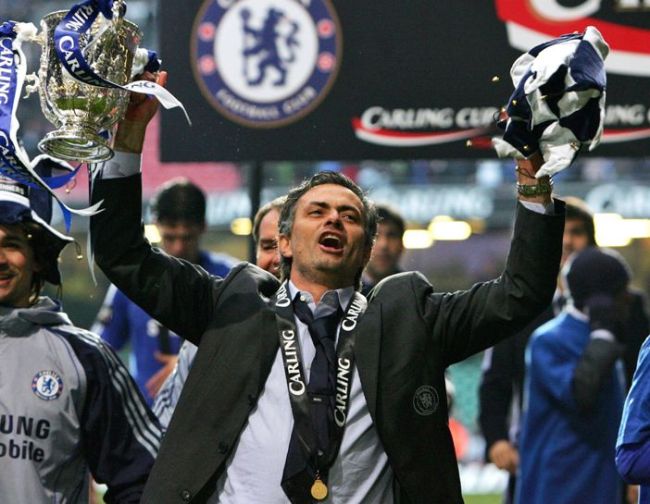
x: 68, y: 406
x: 502, y: 381
x: 178, y: 210
x: 633, y: 443
x: 233, y: 436
x: 574, y: 388
x: 387, y: 250
x: 265, y: 235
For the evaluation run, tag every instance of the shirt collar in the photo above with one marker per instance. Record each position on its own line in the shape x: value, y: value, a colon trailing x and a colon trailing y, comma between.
x: 331, y: 301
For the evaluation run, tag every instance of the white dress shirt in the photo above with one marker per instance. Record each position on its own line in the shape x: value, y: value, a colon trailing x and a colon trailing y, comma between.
x: 360, y: 473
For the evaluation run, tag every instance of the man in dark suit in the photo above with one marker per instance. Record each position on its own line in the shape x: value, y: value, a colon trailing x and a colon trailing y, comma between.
x: 370, y: 422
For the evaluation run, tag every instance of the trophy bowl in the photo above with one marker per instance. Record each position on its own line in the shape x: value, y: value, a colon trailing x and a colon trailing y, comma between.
x: 79, y: 111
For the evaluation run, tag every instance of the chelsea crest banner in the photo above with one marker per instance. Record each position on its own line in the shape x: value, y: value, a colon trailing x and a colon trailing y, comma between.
x: 268, y: 80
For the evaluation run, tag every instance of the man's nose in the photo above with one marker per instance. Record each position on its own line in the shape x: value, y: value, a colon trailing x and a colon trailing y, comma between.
x: 334, y: 218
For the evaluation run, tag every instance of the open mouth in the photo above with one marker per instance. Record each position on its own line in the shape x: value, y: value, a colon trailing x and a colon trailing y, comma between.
x: 331, y: 243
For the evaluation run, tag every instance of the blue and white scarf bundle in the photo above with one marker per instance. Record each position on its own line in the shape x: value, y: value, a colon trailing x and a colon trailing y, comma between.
x: 558, y: 105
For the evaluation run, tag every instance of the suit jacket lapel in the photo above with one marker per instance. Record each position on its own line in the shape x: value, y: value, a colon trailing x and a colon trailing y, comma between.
x: 267, y: 344
x: 366, y: 354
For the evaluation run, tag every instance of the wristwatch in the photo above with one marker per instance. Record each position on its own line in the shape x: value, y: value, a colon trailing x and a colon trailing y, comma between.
x: 542, y: 187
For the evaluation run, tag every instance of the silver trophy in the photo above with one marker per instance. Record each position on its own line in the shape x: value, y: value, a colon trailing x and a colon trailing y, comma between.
x: 82, y: 111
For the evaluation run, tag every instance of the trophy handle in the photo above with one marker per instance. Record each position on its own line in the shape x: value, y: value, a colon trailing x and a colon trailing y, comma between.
x: 28, y: 32
x: 31, y: 84
x: 39, y: 38
x: 119, y: 10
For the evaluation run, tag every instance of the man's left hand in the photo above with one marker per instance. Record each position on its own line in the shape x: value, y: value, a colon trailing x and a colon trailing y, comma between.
x: 526, y: 170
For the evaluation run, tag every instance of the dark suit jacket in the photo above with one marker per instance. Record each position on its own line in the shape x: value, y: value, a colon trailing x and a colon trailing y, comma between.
x: 405, y: 340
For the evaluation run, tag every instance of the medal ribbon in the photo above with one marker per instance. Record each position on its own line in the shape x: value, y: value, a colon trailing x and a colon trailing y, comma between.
x: 77, y: 22
x: 296, y: 384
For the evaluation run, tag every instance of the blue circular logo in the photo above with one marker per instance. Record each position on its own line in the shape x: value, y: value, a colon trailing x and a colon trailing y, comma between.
x: 265, y: 63
x: 47, y: 385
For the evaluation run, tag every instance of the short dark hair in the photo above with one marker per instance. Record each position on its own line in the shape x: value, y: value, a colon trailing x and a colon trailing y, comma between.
x: 288, y: 213
x: 276, y: 204
x: 388, y: 215
x: 179, y: 200
x: 577, y: 209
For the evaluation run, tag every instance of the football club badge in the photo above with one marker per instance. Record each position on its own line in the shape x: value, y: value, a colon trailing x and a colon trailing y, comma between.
x: 426, y: 400
x: 266, y: 63
x: 47, y: 385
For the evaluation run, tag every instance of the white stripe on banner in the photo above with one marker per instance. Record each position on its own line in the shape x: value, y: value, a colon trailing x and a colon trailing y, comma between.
x: 403, y: 139
x: 618, y: 61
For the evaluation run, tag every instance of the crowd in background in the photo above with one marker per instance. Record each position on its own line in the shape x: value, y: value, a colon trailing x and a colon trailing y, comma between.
x: 367, y: 174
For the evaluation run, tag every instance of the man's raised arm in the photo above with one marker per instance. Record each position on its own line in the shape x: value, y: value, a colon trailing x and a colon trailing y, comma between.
x: 177, y: 293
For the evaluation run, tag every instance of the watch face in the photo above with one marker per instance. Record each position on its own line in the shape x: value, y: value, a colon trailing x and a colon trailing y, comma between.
x: 534, y: 189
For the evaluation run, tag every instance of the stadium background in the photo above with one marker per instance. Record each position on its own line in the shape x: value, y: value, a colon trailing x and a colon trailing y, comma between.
x: 419, y: 188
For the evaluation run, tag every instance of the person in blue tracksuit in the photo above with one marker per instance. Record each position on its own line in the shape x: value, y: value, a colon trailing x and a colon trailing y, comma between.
x: 179, y: 213
x: 574, y: 389
x: 633, y: 443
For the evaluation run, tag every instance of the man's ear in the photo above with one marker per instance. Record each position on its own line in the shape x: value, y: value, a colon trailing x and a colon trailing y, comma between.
x: 284, y: 246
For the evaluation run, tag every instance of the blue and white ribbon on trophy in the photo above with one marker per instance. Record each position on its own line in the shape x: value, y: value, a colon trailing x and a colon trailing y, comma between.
x: 66, y: 44
x: 14, y: 160
x: 558, y: 105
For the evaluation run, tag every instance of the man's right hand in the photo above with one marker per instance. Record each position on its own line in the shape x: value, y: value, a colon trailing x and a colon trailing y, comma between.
x: 130, y: 133
x: 504, y: 455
